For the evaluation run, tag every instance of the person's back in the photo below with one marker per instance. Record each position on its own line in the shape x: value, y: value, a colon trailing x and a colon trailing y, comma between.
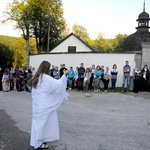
x: 47, y: 95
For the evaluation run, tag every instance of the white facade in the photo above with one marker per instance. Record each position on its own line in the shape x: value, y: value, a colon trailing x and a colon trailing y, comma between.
x: 72, y: 40
x: 88, y: 59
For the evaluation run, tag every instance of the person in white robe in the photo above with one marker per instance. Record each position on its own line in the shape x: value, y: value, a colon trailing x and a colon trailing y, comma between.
x: 47, y: 95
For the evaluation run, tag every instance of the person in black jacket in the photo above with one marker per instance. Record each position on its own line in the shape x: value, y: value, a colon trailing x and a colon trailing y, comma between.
x: 81, y: 71
x: 145, y: 78
x: 19, y: 79
x: 62, y: 69
x: 137, y: 80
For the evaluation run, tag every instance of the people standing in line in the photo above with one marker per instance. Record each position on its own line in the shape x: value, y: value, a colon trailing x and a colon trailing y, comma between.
x: 81, y: 71
x: 11, y: 78
x: 106, y: 79
x: 1, y: 76
x: 114, y: 73
x: 62, y: 69
x: 137, y: 80
x: 47, y: 95
x: 87, y: 76
x: 145, y: 78
x: 56, y: 73
x: 126, y: 76
x: 70, y: 78
x: 5, y: 81
x: 97, y: 76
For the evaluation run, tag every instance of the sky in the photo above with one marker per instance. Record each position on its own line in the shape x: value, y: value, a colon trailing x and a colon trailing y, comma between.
x: 109, y: 17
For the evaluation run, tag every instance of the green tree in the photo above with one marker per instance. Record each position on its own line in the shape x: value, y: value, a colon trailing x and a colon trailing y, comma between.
x: 81, y: 32
x: 18, y: 48
x: 19, y: 11
x: 47, y: 22
x: 65, y: 32
x: 102, y: 44
x: 117, y: 43
x: 6, y: 56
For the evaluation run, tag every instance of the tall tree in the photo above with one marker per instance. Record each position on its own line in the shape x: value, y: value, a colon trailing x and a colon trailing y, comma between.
x: 6, y: 56
x: 102, y: 44
x: 118, y: 42
x: 81, y: 32
x: 19, y: 11
x: 65, y: 32
x: 47, y: 22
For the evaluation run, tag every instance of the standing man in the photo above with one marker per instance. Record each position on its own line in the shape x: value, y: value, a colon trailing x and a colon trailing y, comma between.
x: 52, y: 70
x: 126, y: 76
x: 62, y: 69
x: 81, y: 71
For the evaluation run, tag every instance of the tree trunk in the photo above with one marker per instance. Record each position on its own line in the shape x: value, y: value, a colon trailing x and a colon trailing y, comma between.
x: 27, y: 52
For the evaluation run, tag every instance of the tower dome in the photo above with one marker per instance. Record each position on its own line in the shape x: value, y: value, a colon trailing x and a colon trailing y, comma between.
x: 133, y: 41
x: 143, y: 15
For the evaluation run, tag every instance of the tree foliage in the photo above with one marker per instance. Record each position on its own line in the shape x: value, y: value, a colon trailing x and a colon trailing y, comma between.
x: 30, y: 17
x: 6, y: 56
x: 118, y: 42
x: 102, y: 44
x: 17, y: 47
x: 19, y: 11
x: 46, y: 14
x: 81, y: 32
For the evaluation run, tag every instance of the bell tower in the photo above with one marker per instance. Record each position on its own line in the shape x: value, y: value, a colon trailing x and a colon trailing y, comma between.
x: 143, y: 20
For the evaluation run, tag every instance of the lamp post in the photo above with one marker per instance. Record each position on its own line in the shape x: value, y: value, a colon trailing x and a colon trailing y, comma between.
x: 49, y: 21
x: 48, y: 34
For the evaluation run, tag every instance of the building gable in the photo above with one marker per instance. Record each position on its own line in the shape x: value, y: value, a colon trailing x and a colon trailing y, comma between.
x: 72, y: 44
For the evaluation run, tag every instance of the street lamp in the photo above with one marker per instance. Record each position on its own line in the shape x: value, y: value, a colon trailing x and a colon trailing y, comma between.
x: 48, y: 34
x: 49, y: 21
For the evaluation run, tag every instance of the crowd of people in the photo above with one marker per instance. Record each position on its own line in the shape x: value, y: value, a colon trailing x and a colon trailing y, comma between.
x: 93, y: 78
x: 20, y: 80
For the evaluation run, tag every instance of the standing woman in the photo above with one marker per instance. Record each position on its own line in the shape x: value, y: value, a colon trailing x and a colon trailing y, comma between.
x: 76, y: 78
x: 114, y: 73
x: 47, y: 95
x: 70, y: 78
x: 97, y: 76
x: 5, y: 80
x: 106, y: 79
x: 145, y: 77
x: 137, y: 80
x: 87, y: 76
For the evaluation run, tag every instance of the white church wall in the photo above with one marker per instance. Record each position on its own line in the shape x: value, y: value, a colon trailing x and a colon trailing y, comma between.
x: 88, y: 59
x: 71, y: 41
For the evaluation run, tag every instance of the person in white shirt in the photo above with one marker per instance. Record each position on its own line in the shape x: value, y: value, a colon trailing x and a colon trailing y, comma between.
x: 114, y: 73
x: 47, y: 95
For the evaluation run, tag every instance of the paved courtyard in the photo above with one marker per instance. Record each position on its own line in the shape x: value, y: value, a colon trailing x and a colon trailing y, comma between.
x: 100, y: 121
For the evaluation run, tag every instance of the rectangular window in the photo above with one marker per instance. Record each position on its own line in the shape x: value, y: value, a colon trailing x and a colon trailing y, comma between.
x: 71, y: 49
